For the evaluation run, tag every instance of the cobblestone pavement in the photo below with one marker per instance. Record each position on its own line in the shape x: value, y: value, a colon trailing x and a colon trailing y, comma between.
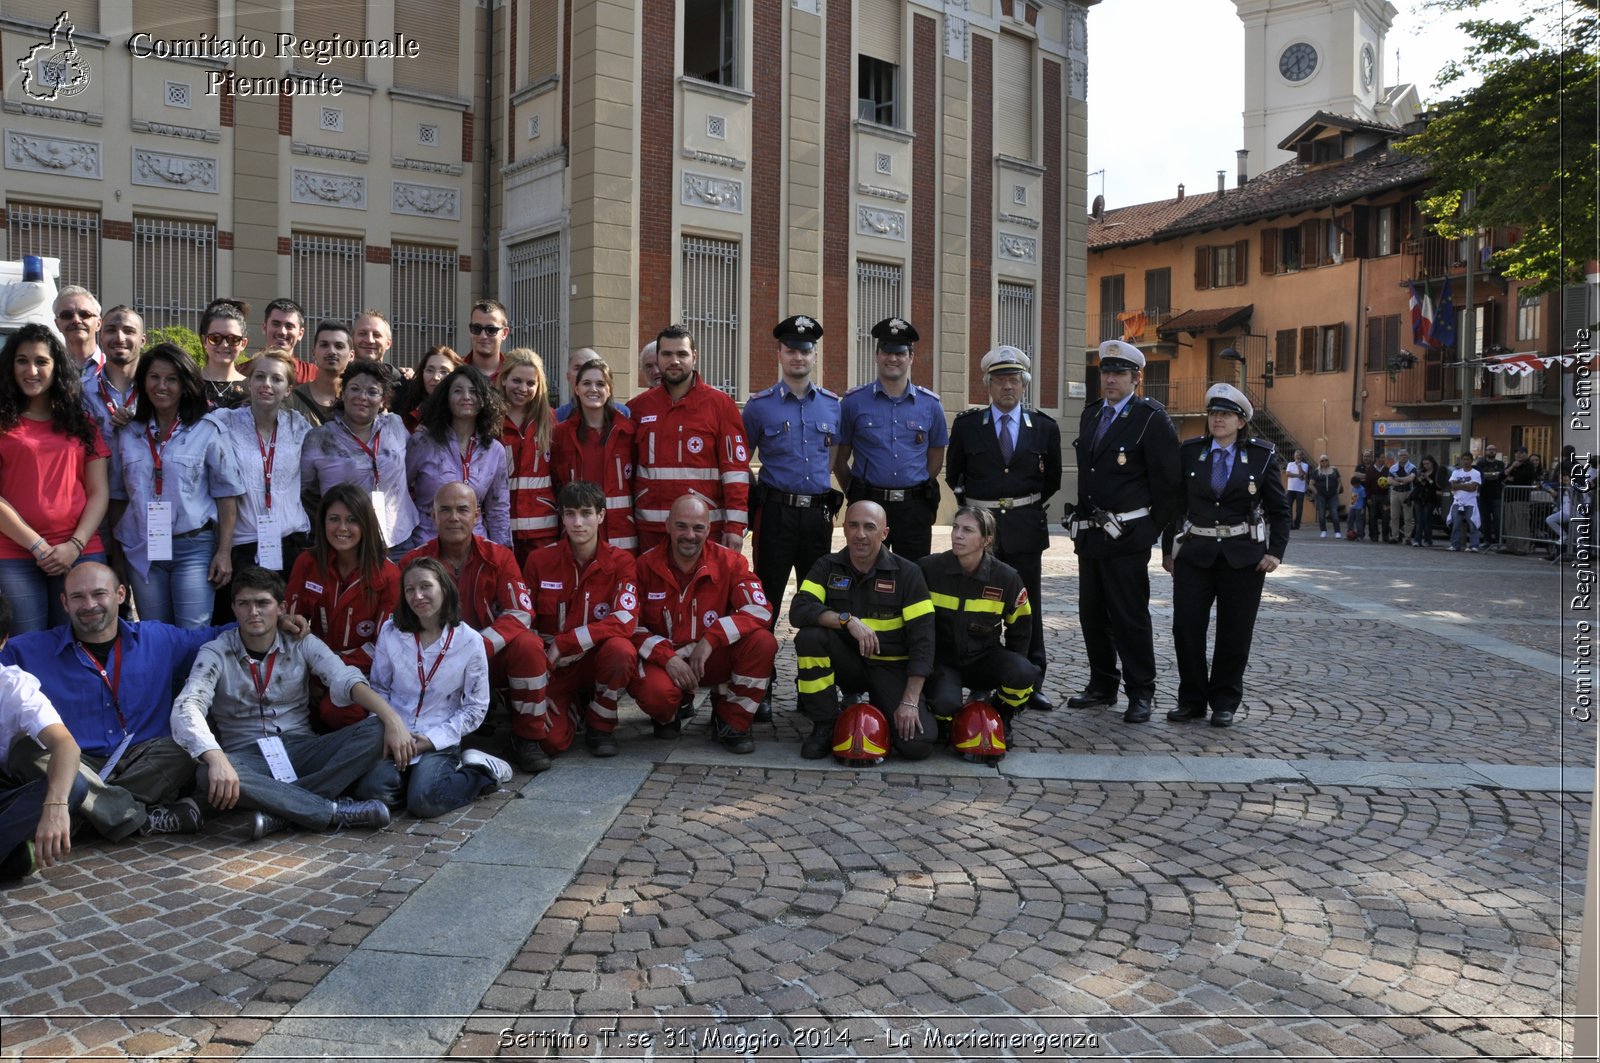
x: 1197, y: 921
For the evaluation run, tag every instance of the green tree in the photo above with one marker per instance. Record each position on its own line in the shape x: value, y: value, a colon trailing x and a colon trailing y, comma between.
x: 1519, y: 148
x: 183, y: 337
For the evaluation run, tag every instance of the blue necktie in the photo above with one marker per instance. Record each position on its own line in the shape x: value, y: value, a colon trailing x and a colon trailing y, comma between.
x: 1007, y: 445
x: 1220, y: 467
x: 1107, y: 415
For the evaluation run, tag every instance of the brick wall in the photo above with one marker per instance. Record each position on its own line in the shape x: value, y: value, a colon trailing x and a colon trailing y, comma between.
x: 982, y: 184
x: 511, y: 85
x: 924, y: 194
x: 837, y: 224
x: 656, y: 142
x: 766, y: 190
x: 1047, y: 366
x: 286, y: 116
x: 466, y: 134
x: 566, y: 70
x: 379, y: 254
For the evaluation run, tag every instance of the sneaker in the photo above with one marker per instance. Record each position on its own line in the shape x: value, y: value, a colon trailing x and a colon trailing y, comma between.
x: 180, y: 817
x: 671, y: 729
x: 19, y: 863
x: 477, y: 758
x: 734, y: 741
x: 348, y: 812
x: 601, y: 743
x: 1324, y: 535
x: 265, y: 823
x: 819, y: 743
x: 529, y: 755
x: 1472, y: 549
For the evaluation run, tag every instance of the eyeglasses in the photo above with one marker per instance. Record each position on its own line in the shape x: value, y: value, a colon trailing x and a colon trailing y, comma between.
x: 81, y: 315
x: 218, y: 339
x: 485, y: 330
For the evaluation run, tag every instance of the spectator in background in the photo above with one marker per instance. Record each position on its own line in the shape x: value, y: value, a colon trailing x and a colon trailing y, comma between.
x: 1357, y: 517
x: 1424, y: 502
x: 222, y: 330
x: 649, y: 367
x: 1465, y: 484
x: 437, y: 364
x: 459, y: 442
x: 1402, y: 482
x: 1371, y: 475
x: 1492, y: 469
x: 53, y: 476
x: 1298, y: 472
x: 526, y: 435
x: 1325, y: 482
x: 1524, y: 470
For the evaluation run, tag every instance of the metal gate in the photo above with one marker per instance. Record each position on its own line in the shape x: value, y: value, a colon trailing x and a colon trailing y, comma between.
x: 878, y: 295
x: 174, y: 271
x: 711, y: 308
x: 423, y: 296
x: 537, y: 303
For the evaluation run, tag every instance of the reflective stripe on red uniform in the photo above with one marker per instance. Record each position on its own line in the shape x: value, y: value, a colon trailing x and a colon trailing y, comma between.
x: 534, y: 521
x: 592, y: 611
x: 348, y: 623
x: 694, y: 444
x: 566, y: 465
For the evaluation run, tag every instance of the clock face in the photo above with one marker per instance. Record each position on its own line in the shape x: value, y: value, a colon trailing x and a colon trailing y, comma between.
x: 1369, y: 66
x: 1298, y: 61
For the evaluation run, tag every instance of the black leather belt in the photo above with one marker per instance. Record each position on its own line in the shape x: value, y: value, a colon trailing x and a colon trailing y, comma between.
x: 892, y: 494
x: 798, y: 501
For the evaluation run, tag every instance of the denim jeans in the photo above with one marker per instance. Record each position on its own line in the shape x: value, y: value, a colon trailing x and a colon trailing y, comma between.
x: 22, y: 806
x: 1327, y: 509
x: 35, y: 598
x: 1422, y: 515
x: 437, y: 783
x: 1460, y: 522
x: 177, y: 591
x: 327, y: 765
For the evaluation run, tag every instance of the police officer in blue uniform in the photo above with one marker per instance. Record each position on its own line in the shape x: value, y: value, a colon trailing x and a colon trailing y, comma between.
x: 1127, y: 452
x: 794, y: 427
x: 1232, y: 529
x: 1006, y: 458
x: 891, y: 443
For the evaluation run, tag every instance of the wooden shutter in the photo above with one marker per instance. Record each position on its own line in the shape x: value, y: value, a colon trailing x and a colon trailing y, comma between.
x: 82, y: 15
x: 1343, y: 234
x: 318, y: 20
x: 185, y: 19
x: 1311, y: 248
x: 1269, y: 252
x: 1338, y: 347
x: 1202, y: 268
x: 1364, y: 233
x: 544, y: 39
x: 878, y: 23
x: 437, y: 30
x: 1013, y: 94
x: 1308, y: 349
x: 1241, y: 259
x: 1286, y: 361
x: 1375, y: 360
x: 1391, y: 336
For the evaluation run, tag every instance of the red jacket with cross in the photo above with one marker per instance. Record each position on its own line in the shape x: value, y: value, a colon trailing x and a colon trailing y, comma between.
x: 720, y: 601
x: 582, y: 608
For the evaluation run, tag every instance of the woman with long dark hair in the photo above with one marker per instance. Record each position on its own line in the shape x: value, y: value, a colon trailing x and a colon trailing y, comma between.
x: 53, y: 477
x: 595, y: 445
x: 175, y: 490
x: 1424, y: 501
x: 437, y: 364
x: 458, y: 441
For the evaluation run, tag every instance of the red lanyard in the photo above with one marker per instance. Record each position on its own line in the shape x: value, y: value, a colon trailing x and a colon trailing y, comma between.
x: 269, y: 452
x: 426, y: 679
x: 261, y: 683
x: 108, y: 397
x: 113, y: 681
x: 371, y: 450
x: 466, y: 460
x: 155, y: 454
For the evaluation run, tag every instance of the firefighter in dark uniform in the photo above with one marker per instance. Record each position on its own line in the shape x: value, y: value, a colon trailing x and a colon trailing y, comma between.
x: 865, y: 622
x: 891, y: 442
x: 1127, y: 453
x: 1232, y: 528
x: 793, y: 426
x: 976, y: 598
x: 1006, y: 458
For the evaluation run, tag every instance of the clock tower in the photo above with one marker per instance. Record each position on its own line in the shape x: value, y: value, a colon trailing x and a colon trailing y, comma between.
x: 1305, y: 56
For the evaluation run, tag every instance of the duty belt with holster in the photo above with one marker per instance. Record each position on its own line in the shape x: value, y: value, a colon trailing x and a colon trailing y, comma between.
x: 1111, y: 524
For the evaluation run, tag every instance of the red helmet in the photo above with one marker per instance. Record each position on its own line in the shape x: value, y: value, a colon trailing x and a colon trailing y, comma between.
x: 861, y: 736
x: 978, y: 733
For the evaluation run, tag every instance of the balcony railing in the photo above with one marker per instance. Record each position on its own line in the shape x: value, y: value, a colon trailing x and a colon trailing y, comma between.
x: 1112, y: 328
x: 1432, y: 382
x: 1180, y: 397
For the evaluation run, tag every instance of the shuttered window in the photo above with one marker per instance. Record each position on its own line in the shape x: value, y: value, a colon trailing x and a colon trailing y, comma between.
x: 437, y: 29
x: 879, y: 25
x: 183, y: 19
x: 319, y: 20
x: 1014, y: 96
x: 84, y: 15
x: 1308, y: 349
x: 544, y: 39
x: 1286, y: 362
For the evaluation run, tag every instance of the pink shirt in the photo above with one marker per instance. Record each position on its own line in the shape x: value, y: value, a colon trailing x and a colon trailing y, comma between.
x: 44, y: 475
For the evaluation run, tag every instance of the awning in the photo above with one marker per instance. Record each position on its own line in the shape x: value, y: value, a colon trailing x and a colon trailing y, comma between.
x: 1218, y: 319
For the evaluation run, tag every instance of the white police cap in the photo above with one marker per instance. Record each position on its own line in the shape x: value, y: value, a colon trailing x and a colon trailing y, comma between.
x: 1117, y: 355
x: 1229, y: 398
x: 1006, y: 359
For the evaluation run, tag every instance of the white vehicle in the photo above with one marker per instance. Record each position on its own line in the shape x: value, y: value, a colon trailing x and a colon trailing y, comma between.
x: 28, y: 292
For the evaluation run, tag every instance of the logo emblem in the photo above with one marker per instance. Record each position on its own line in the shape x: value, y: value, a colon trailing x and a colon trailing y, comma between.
x: 710, y: 618
x: 54, y: 69
x: 601, y: 610
x: 366, y: 628
x: 627, y: 601
x: 739, y: 453
x: 804, y: 323
x: 696, y: 444
x: 524, y: 599
x: 758, y: 597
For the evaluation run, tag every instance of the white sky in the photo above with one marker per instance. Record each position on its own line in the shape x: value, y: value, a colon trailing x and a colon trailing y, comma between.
x: 1166, y: 95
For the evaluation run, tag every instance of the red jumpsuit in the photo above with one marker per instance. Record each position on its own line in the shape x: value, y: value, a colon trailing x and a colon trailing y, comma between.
x: 567, y: 464
x: 534, y: 520
x: 589, y: 611
x: 720, y: 601
x: 694, y: 444
x: 346, y: 614
x: 496, y: 601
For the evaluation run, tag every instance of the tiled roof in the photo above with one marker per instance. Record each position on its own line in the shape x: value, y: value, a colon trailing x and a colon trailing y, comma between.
x: 1197, y: 321
x: 1336, y: 120
x: 1140, y: 222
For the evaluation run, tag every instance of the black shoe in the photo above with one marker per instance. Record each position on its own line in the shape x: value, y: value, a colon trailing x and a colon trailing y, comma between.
x: 19, y: 863
x: 1183, y: 714
x: 763, y: 713
x: 942, y: 734
x: 732, y: 740
x: 1092, y: 699
x: 348, y: 812
x: 1040, y: 703
x: 265, y: 823
x: 669, y: 730
x: 529, y: 755
x: 1139, y: 710
x: 1222, y: 718
x: 180, y: 817
x: 686, y: 709
x: 601, y: 743
x: 819, y: 743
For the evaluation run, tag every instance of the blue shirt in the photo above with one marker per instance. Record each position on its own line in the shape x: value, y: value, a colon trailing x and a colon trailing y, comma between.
x: 793, y: 436
x: 888, y: 437
x: 154, y: 657
x: 197, y: 466
x: 98, y: 392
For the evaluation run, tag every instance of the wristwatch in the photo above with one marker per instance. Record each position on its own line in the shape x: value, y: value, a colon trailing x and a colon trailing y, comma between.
x: 844, y: 621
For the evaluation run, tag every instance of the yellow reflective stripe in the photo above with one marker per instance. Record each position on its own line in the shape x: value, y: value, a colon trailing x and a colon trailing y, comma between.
x: 975, y: 741
x: 916, y: 609
x: 813, y: 589
x: 883, y: 625
x: 867, y: 746
x: 813, y: 662
x: 887, y: 657
x: 1015, y: 698
x: 945, y: 601
x: 816, y: 686
x: 981, y: 605
x: 1023, y: 610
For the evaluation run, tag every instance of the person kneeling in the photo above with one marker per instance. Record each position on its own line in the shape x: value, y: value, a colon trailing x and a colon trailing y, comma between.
x: 264, y: 754
x: 427, y: 657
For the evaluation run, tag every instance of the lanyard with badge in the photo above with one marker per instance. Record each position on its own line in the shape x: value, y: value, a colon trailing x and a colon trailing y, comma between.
x: 272, y: 749
x: 158, y: 513
x: 113, y: 682
x: 466, y: 460
x: 424, y: 680
x: 109, y: 399
x: 371, y: 451
x: 269, y: 539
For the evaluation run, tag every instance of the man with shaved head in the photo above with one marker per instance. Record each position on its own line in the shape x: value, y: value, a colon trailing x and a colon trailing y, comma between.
x: 113, y: 681
x: 866, y: 623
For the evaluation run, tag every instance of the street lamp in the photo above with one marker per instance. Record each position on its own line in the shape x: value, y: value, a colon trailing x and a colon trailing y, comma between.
x: 1230, y: 355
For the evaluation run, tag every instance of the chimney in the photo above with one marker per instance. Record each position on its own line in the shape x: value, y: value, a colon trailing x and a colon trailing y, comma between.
x: 1180, y: 192
x: 1243, y: 155
x: 1222, y: 182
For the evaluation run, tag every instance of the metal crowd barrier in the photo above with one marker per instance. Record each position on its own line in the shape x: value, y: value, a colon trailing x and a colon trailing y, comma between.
x: 1522, y: 518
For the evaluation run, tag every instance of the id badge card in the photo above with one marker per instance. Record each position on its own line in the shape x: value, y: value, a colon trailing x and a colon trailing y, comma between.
x: 158, y: 532
x: 116, y: 755
x: 269, y: 543
x: 379, y: 504
x: 277, y: 758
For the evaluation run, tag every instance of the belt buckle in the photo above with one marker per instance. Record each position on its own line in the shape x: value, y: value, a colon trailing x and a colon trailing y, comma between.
x: 896, y: 495
x: 1003, y: 504
x: 802, y: 501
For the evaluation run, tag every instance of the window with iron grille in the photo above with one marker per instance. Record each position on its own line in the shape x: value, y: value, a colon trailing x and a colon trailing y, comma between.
x: 879, y: 288
x: 325, y: 278
x: 423, y: 298
x: 537, y: 303
x: 73, y: 236
x: 711, y: 41
x: 174, y: 270
x: 711, y: 308
x: 1016, y: 323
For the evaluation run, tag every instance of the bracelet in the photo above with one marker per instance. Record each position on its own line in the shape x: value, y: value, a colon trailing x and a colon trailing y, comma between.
x: 913, y: 704
x: 34, y: 549
x: 79, y: 543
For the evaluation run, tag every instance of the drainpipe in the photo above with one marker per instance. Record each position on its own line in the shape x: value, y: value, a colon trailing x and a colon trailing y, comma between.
x: 488, y: 145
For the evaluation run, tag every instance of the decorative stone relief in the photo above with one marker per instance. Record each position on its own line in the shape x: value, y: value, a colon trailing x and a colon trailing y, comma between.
x: 715, y: 193
x: 888, y: 224
x: 329, y: 189
x: 1019, y: 248
x: 191, y: 173
x: 713, y: 158
x: 182, y: 132
x: 53, y: 155
x: 955, y: 30
x: 883, y: 193
x: 426, y: 201
x: 1077, y: 52
x: 401, y: 162
x: 59, y: 114
x: 322, y: 151
x: 1078, y: 79
x: 1018, y: 219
